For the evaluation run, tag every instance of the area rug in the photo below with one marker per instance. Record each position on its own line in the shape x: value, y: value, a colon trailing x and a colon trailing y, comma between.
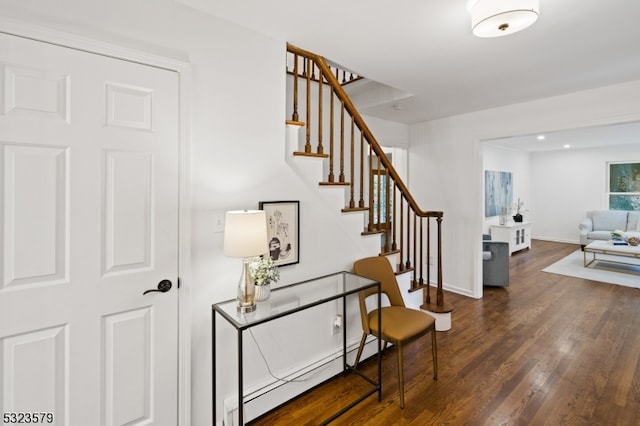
x: 601, y: 270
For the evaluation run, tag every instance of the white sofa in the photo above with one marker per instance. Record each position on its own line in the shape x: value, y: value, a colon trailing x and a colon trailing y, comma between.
x: 599, y: 224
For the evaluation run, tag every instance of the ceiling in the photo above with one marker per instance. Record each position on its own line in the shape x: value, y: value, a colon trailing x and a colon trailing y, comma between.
x: 423, y: 49
x: 581, y: 138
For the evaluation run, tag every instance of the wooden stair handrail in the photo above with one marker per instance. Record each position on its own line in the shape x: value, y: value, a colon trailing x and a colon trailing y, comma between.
x: 411, y: 232
x: 344, y: 98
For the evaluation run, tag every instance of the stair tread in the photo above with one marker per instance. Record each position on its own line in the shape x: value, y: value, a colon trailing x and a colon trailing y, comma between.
x: 310, y: 154
x: 355, y: 209
x: 372, y: 232
x: 335, y: 183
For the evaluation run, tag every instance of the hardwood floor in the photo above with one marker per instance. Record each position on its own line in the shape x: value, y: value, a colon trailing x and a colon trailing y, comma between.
x: 547, y: 350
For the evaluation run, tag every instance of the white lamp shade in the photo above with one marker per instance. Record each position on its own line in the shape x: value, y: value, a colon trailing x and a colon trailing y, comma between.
x: 495, y: 18
x: 245, y: 233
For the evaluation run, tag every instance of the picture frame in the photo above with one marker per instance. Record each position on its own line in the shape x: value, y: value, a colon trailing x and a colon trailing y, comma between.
x: 283, y: 230
x: 498, y: 192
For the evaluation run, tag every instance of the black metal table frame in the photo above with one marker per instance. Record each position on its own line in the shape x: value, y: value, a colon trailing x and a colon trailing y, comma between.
x: 377, y: 386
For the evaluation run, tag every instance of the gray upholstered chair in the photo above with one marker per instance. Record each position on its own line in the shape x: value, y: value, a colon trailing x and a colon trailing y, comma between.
x: 495, y: 262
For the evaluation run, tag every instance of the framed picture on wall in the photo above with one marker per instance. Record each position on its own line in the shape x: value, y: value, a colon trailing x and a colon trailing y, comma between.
x: 498, y: 192
x: 623, y: 184
x: 283, y: 230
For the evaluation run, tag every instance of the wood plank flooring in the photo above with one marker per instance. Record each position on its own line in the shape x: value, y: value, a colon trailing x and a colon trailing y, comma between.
x: 547, y: 350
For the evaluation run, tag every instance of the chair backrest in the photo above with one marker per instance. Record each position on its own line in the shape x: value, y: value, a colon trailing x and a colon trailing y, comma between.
x: 377, y: 268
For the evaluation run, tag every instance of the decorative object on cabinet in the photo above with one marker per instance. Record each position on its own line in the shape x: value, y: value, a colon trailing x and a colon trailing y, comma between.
x: 518, y: 208
x: 283, y: 230
x: 245, y: 236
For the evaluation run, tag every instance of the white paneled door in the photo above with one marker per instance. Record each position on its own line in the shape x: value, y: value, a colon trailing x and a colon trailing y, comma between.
x: 89, y: 222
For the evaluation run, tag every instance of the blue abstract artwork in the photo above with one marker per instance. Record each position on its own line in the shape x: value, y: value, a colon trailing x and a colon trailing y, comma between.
x: 498, y: 192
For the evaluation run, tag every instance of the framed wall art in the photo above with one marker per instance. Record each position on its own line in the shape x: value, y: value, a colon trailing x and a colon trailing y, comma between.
x: 498, y: 192
x: 283, y: 230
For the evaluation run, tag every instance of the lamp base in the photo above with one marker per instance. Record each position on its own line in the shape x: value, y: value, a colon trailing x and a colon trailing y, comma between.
x: 246, y: 309
x: 246, y: 290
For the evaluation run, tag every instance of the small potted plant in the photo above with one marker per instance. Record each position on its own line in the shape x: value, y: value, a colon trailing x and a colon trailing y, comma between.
x: 518, y: 207
x: 263, y: 271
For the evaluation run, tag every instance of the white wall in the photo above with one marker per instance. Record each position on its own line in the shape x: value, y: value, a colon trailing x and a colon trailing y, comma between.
x: 445, y: 163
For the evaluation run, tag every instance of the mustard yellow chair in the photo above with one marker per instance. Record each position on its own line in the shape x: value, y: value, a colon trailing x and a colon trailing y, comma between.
x: 400, y: 325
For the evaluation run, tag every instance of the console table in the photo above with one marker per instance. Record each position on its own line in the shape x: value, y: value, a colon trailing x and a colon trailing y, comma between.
x: 289, y: 300
x: 517, y: 234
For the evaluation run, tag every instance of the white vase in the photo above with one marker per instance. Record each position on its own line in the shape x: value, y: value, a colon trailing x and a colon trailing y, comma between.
x: 262, y: 292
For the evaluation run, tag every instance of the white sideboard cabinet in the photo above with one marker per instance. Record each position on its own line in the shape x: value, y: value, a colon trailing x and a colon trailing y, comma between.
x: 517, y: 234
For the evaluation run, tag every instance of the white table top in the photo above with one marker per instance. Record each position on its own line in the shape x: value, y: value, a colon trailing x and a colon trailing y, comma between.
x: 609, y: 247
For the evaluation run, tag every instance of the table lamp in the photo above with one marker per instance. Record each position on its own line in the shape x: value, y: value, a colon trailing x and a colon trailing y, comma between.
x: 245, y: 236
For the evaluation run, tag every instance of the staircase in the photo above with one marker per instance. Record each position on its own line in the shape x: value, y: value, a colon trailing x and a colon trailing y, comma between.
x: 335, y: 132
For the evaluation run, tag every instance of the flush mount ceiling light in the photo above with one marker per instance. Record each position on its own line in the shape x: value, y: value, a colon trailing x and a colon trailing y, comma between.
x: 495, y: 18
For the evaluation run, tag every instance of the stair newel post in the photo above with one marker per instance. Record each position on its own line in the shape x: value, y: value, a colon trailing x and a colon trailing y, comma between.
x: 320, y: 149
x: 352, y: 201
x: 421, y: 256
x: 440, y: 293
x: 401, y: 232
x: 377, y: 197
x: 394, y: 245
x: 361, y: 201
x: 428, y: 298
x: 294, y: 116
x: 415, y: 244
x: 341, y: 177
x: 370, y: 224
x: 428, y: 258
x: 307, y: 145
x: 387, y: 211
x: 331, y: 177
x: 408, y: 264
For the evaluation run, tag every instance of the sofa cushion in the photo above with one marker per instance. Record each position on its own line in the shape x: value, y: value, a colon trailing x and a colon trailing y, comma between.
x: 633, y: 221
x: 599, y: 235
x: 609, y: 220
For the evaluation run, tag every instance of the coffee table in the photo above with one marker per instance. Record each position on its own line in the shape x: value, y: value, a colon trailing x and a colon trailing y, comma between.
x: 622, y: 252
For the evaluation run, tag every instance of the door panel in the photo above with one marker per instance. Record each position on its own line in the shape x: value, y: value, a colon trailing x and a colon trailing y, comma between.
x: 89, y: 221
x: 35, y: 245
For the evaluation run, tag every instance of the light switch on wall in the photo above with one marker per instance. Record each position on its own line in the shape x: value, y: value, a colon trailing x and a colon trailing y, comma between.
x: 218, y: 222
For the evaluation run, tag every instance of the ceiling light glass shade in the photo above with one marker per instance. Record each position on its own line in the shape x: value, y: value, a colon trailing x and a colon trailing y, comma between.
x: 495, y: 18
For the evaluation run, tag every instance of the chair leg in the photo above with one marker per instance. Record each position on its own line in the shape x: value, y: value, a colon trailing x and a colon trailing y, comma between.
x: 434, y: 353
x: 401, y: 376
x: 359, y: 354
